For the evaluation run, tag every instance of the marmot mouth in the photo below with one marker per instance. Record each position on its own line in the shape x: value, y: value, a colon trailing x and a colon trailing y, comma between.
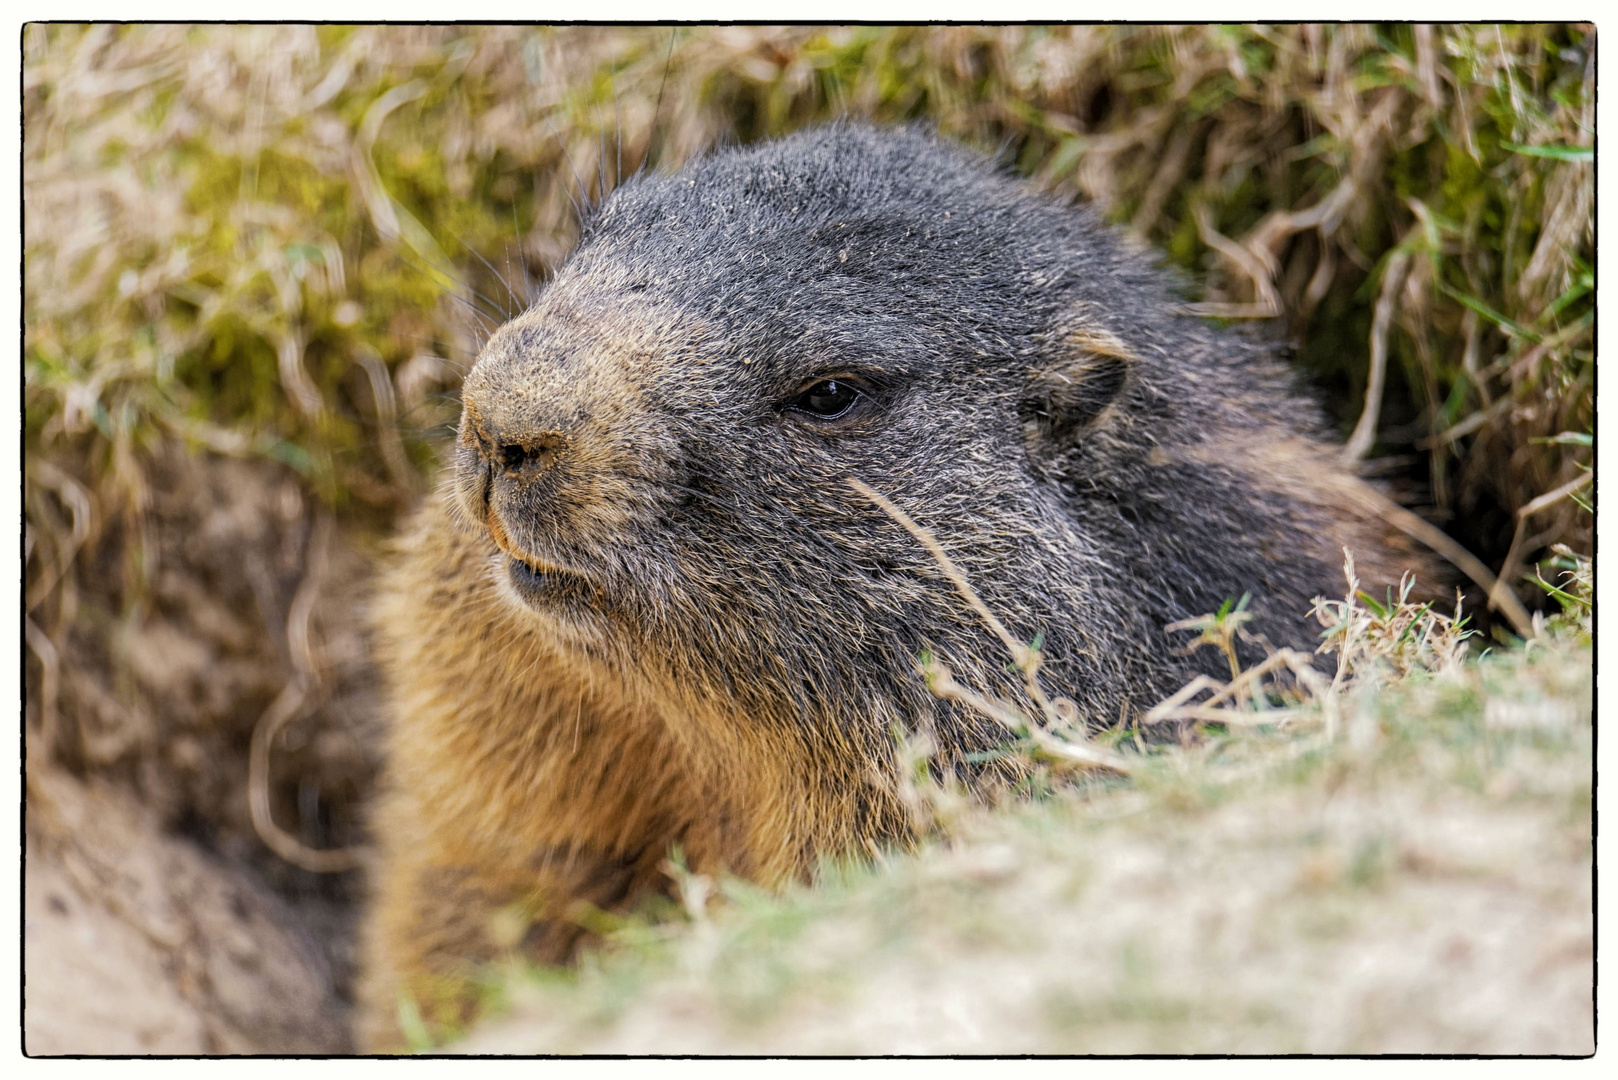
x: 542, y: 585
x: 539, y: 584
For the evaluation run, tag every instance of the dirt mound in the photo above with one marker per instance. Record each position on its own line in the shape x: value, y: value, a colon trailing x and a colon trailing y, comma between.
x: 162, y: 689
x: 140, y: 943
x: 239, y: 676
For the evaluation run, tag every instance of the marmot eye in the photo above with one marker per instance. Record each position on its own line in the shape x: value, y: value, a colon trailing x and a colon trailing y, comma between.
x: 827, y: 399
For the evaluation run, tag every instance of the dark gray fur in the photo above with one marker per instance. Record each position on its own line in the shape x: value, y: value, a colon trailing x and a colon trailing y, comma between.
x: 1090, y: 499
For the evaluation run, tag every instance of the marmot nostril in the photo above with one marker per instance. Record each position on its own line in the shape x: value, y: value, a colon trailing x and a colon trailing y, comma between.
x: 507, y: 439
x: 511, y: 454
x: 541, y: 451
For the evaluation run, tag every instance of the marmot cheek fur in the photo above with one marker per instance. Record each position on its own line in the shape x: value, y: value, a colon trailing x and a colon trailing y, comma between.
x: 649, y: 608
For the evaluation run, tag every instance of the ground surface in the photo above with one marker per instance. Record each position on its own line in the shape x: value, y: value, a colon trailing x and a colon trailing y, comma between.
x: 1421, y: 885
x: 140, y: 943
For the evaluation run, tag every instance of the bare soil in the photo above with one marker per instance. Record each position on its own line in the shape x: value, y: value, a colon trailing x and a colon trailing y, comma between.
x: 136, y: 942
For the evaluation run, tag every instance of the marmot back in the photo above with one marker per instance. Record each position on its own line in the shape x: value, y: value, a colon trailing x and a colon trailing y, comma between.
x: 650, y: 609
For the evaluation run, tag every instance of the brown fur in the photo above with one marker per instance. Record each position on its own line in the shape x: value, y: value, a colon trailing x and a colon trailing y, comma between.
x: 554, y: 782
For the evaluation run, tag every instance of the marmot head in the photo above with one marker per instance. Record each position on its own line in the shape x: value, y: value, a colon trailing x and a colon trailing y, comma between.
x: 660, y: 445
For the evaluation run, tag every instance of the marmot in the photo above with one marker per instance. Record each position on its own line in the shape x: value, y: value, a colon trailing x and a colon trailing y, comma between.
x: 648, y: 608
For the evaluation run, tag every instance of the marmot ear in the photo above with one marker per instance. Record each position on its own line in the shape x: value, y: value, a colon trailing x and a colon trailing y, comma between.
x: 1069, y: 395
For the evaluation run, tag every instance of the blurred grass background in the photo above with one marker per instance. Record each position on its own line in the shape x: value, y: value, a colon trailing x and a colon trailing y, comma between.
x: 257, y: 260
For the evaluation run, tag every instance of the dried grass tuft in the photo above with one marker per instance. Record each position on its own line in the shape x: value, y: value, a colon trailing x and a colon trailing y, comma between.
x: 1374, y: 642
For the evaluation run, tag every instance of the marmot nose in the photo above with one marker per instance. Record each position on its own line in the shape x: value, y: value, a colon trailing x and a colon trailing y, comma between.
x: 510, y: 448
